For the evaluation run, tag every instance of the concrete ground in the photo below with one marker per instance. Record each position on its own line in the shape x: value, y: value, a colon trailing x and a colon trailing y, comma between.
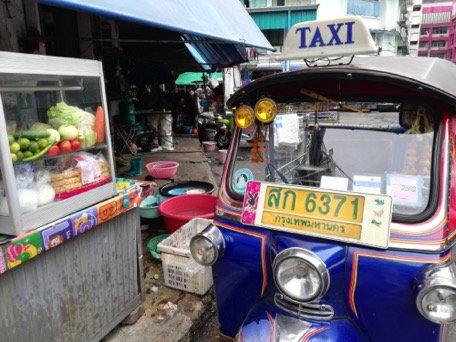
x: 194, y: 318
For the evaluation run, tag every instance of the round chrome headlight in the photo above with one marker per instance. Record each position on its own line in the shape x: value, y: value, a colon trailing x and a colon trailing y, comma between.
x: 207, y: 246
x: 300, y: 274
x: 436, y: 293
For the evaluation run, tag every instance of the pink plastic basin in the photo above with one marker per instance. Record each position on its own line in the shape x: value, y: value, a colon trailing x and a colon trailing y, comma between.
x: 178, y: 210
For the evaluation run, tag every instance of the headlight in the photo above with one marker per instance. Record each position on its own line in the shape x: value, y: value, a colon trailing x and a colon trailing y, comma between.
x: 300, y: 274
x: 265, y: 110
x: 436, y: 294
x: 244, y: 116
x: 207, y: 246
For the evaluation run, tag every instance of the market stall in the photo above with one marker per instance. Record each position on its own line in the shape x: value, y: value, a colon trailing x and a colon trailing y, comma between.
x: 70, y: 253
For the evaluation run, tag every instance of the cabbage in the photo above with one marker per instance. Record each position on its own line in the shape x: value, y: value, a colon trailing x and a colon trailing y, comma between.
x: 88, y: 138
x: 63, y: 114
x: 40, y: 126
x: 54, y: 137
x: 68, y: 132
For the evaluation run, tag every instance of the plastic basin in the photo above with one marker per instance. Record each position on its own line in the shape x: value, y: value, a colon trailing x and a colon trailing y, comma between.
x: 149, y: 207
x: 179, y: 210
x: 186, y: 187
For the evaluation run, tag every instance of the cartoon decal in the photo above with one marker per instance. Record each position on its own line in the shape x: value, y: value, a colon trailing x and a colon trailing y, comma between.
x: 240, y: 179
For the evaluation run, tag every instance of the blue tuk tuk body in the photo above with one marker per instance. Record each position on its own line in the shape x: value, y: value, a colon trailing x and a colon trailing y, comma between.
x: 292, y: 269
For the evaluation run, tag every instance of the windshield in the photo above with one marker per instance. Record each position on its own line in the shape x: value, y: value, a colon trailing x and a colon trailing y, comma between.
x: 378, y: 148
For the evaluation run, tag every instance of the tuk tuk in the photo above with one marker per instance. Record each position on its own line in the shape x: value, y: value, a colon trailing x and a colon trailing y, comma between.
x: 337, y: 222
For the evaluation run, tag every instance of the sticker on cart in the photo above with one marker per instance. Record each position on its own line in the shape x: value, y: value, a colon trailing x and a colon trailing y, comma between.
x: 367, y: 184
x: 56, y: 234
x: 405, y: 189
x: 240, y: 179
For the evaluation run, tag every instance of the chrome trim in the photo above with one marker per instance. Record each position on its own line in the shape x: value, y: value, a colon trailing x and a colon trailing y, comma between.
x: 434, y: 276
x: 215, y: 237
x: 309, y: 257
x: 316, y: 311
x: 289, y: 329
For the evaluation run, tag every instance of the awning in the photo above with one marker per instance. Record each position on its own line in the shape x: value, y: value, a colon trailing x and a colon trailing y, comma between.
x: 194, y: 78
x: 221, y: 27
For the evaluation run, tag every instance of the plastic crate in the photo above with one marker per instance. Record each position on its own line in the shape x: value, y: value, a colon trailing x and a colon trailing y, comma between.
x: 180, y: 270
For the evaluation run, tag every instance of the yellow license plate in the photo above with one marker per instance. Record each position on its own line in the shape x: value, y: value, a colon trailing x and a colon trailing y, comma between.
x: 340, y: 215
x: 315, y: 204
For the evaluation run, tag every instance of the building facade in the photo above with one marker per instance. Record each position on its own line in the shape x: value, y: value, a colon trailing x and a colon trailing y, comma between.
x: 385, y: 19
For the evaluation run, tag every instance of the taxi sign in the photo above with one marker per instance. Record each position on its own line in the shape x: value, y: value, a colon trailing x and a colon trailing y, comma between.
x: 328, y: 38
x: 338, y: 215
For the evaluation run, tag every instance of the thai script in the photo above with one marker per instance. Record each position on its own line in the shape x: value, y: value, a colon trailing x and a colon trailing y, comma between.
x: 313, y: 224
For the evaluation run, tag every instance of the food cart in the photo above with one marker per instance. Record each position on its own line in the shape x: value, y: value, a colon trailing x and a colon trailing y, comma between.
x: 70, y: 253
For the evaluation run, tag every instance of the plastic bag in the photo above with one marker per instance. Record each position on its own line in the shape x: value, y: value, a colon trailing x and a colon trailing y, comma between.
x: 86, y: 131
x: 44, y: 190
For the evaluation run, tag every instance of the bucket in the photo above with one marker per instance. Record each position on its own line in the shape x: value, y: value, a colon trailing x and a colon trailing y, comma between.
x: 127, y: 112
x: 222, y: 156
x: 178, y: 210
x: 209, y: 146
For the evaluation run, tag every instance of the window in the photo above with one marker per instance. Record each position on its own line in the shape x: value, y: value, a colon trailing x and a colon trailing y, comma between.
x: 415, y: 25
x: 368, y: 8
x: 303, y: 153
x: 439, y: 44
x: 417, y: 8
x: 275, y: 37
x: 440, y: 30
x: 423, y: 45
x: 424, y: 32
x: 414, y: 42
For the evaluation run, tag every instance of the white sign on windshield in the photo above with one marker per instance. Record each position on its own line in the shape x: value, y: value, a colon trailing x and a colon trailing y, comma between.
x: 328, y: 38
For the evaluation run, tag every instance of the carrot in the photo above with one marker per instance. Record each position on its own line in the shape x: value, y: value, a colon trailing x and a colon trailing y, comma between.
x: 100, y: 124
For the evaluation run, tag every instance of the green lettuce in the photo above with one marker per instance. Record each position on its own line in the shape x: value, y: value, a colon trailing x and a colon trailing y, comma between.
x: 63, y: 114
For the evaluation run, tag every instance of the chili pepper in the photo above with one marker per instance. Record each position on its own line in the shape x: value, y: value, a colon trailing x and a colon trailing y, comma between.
x: 39, y: 154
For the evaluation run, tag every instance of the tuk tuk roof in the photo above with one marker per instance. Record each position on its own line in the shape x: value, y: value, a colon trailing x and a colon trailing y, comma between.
x: 369, y: 76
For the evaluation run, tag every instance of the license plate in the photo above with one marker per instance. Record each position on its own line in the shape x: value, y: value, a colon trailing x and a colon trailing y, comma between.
x: 340, y: 215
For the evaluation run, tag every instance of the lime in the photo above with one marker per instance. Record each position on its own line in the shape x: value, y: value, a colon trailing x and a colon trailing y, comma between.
x: 14, y: 147
x: 34, y: 147
x: 10, y: 139
x: 27, y: 154
x: 43, y: 142
x: 13, y: 157
x: 24, y: 143
x: 19, y: 155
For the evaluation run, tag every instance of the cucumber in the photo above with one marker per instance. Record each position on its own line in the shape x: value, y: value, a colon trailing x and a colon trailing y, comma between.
x: 31, y: 134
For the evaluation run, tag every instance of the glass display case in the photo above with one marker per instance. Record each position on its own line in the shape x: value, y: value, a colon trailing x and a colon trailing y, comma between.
x: 55, y: 151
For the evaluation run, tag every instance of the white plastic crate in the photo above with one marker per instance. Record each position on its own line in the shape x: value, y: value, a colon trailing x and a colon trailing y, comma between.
x: 180, y: 270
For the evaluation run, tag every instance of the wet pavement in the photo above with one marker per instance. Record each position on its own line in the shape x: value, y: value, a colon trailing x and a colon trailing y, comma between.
x: 169, y: 314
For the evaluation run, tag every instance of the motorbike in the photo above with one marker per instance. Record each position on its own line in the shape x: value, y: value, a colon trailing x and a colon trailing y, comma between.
x: 341, y: 229
x: 207, y: 126
x: 224, y: 130
x: 225, y: 127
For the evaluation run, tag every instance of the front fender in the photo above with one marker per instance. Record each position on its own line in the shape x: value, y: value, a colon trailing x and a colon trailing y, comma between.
x: 266, y: 323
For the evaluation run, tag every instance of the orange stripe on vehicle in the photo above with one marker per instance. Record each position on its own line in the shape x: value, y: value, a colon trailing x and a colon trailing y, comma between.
x: 271, y: 322
x: 314, y: 332
x: 354, y: 275
x: 263, y: 238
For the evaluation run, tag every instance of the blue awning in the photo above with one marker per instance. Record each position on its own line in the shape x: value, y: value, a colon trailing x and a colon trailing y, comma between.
x: 224, y: 27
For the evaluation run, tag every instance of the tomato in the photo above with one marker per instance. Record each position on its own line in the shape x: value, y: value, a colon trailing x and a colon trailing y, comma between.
x: 65, y: 146
x: 75, y: 145
x: 53, y: 151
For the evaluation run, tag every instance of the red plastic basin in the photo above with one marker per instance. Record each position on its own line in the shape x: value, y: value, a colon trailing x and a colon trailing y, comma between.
x: 178, y: 210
